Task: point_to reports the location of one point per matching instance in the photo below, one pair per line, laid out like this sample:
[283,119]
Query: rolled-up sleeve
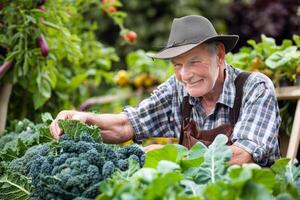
[151,118]
[257,128]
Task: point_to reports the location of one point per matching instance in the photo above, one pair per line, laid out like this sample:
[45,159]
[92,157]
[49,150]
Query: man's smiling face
[197,69]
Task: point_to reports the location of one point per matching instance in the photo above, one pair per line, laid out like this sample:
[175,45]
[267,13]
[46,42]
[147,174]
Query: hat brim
[229,42]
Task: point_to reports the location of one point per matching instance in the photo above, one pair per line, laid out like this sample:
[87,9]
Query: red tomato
[130,36]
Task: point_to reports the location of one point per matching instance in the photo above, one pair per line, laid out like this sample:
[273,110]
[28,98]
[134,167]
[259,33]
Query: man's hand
[115,128]
[67,114]
[152,147]
[240,156]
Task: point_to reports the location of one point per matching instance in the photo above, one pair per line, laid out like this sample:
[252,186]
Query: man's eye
[177,65]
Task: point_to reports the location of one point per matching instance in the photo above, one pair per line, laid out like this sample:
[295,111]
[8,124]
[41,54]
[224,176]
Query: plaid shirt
[256,130]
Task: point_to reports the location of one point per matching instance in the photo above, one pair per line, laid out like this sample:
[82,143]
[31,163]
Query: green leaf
[133,166]
[254,191]
[51,25]
[14,186]
[285,44]
[38,100]
[296,38]
[170,152]
[46,118]
[161,185]
[282,58]
[292,173]
[8,154]
[44,91]
[30,19]
[75,128]
[146,175]
[284,196]
[77,81]
[221,190]
[264,177]
[198,150]
[195,156]
[103,63]
[44,86]
[190,187]
[23,135]
[239,175]
[165,166]
[14,151]
[279,167]
[52,74]
[215,161]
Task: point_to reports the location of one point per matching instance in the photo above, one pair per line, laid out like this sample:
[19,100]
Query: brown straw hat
[190,31]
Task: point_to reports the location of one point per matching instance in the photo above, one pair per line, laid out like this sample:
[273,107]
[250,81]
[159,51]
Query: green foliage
[161,183]
[69,168]
[172,153]
[14,186]
[22,135]
[138,62]
[215,159]
[165,177]
[77,61]
[279,62]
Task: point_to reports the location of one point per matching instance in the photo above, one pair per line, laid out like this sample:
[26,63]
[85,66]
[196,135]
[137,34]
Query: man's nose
[185,73]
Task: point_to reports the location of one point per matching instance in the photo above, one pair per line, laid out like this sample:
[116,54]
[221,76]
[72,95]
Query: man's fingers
[79,117]
[55,130]
[68,114]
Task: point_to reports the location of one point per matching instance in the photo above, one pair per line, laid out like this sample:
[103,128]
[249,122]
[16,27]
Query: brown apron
[190,134]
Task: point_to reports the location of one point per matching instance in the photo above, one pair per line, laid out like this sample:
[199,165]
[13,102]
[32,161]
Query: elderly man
[204,98]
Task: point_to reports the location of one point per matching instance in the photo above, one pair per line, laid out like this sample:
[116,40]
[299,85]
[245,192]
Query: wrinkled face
[197,69]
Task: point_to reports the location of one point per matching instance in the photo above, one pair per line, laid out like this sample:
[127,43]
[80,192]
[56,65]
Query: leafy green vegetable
[72,167]
[168,152]
[279,62]
[215,161]
[77,167]
[75,128]
[14,186]
[22,135]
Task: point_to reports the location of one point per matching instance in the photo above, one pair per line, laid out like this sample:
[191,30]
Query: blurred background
[91,55]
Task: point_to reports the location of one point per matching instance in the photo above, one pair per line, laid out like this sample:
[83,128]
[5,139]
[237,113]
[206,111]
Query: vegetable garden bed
[80,166]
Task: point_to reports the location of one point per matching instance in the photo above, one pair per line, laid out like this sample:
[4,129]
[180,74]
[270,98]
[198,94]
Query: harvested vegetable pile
[70,168]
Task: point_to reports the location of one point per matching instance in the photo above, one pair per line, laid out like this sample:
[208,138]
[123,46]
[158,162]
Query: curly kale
[122,164]
[22,165]
[108,169]
[75,169]
[134,152]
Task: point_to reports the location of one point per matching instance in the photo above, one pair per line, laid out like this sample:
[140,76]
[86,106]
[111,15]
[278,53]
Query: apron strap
[239,84]
[186,109]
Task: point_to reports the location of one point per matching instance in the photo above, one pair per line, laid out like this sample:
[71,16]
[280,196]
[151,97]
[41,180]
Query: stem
[213,167]
[5,92]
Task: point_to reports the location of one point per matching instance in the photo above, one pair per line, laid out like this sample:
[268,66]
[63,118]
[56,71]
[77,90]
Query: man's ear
[221,53]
